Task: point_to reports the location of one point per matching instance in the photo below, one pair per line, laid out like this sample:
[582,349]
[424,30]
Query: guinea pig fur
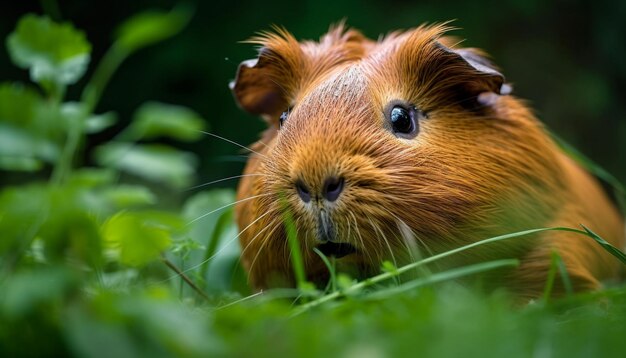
[401,148]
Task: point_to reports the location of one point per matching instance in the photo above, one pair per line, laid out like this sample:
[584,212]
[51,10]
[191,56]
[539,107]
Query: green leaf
[150,27]
[18,104]
[63,217]
[73,112]
[22,211]
[345,282]
[217,232]
[21,143]
[154,119]
[154,162]
[124,196]
[88,335]
[22,107]
[27,289]
[172,223]
[91,177]
[16,142]
[99,122]
[184,247]
[54,53]
[22,164]
[134,240]
[141,324]
[388,266]
[69,226]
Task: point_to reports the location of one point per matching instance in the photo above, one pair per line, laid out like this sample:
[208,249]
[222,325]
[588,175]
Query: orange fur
[472,172]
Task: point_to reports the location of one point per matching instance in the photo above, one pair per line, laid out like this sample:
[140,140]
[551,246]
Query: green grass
[444,321]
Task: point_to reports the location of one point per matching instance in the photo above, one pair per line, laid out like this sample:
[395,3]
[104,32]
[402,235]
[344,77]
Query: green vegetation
[95,262]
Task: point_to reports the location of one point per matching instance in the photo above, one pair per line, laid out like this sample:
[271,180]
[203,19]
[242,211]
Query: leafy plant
[75,237]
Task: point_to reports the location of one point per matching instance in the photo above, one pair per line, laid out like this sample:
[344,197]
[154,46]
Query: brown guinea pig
[406,146]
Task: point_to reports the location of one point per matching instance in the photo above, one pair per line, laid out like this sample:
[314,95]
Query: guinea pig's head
[382,150]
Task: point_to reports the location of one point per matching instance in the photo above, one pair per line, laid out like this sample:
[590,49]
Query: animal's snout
[330,190]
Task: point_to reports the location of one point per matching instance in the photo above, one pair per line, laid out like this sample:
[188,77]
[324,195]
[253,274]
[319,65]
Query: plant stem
[89,98]
[64,165]
[186,278]
[111,60]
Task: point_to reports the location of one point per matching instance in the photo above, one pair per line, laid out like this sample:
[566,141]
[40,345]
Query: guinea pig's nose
[332,188]
[303,191]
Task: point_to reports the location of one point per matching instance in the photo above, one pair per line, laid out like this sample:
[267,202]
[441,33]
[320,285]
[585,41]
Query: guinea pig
[402,148]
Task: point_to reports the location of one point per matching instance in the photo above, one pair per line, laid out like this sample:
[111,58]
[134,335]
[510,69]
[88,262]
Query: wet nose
[331,189]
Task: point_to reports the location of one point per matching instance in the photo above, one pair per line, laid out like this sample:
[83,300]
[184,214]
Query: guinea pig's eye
[283,117]
[403,120]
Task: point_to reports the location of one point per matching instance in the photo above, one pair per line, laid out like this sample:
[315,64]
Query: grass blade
[330,267]
[444,276]
[557,264]
[294,247]
[596,170]
[222,224]
[608,247]
[567,281]
[547,289]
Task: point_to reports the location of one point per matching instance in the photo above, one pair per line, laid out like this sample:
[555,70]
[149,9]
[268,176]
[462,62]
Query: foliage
[82,252]
[93,263]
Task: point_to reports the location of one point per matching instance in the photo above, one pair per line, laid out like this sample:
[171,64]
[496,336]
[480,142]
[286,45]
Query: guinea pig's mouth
[336,249]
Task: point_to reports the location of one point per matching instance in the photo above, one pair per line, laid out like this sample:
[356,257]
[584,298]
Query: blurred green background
[567,58]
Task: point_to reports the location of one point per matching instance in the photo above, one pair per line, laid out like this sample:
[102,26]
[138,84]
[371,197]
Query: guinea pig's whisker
[224,179]
[385,240]
[226,206]
[408,240]
[228,242]
[409,237]
[377,250]
[231,240]
[254,260]
[258,233]
[262,143]
[360,237]
[286,252]
[233,142]
[264,242]
[238,158]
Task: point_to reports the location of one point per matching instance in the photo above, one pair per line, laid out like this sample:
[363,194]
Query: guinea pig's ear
[476,75]
[263,85]
[254,88]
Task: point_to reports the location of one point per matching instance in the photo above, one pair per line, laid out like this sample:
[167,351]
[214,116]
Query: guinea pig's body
[404,147]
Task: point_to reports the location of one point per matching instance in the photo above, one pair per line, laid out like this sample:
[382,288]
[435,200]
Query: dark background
[568,59]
